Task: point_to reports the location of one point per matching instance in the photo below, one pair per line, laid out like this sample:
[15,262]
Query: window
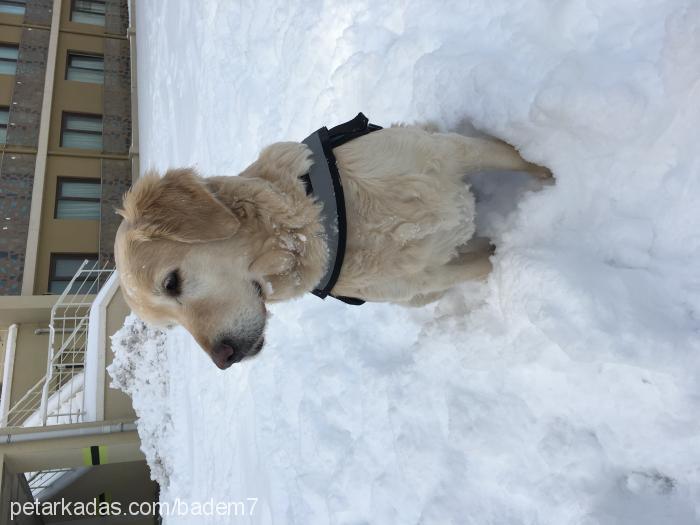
[78,199]
[13,7]
[85,68]
[88,12]
[81,131]
[63,268]
[4,119]
[8,59]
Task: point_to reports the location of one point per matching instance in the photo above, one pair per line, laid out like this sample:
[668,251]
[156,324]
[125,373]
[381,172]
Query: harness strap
[323,181]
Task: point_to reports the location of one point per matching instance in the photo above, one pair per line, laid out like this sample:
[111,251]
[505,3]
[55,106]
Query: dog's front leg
[432,281]
[493,154]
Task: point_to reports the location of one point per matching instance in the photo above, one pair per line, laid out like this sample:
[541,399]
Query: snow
[565,390]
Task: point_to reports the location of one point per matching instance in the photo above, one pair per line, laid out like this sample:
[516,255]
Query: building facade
[65,105]
[67,155]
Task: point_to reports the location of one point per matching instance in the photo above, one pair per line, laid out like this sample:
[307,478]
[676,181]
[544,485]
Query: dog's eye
[258,289]
[171,284]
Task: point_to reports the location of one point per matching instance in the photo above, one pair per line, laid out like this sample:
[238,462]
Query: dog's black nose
[225,353]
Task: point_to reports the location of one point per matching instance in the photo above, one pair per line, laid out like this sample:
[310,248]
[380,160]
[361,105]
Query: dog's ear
[177,206]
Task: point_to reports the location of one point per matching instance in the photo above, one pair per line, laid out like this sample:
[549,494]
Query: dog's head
[183,257]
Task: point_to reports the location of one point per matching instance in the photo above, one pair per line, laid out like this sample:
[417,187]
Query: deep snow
[570,394]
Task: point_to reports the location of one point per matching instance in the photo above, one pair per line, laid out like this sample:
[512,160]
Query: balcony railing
[58,396]
[3,345]
[43,479]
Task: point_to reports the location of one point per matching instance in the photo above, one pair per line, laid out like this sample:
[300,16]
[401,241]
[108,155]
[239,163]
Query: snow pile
[137,350]
[570,395]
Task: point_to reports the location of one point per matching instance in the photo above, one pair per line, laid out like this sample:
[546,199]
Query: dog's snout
[225,353]
[229,351]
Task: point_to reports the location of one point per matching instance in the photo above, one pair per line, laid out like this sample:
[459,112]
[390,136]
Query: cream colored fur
[410,216]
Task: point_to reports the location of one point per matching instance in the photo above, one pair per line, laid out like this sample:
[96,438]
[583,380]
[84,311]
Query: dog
[210,252]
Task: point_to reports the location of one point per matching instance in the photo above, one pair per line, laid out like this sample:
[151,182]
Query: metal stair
[58,396]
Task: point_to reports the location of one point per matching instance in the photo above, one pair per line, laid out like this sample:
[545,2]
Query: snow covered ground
[571,393]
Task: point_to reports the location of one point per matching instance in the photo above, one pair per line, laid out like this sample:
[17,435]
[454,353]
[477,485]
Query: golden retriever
[208,253]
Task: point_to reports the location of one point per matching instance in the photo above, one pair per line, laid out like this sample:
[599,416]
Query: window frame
[70,256]
[67,114]
[19,3]
[70,54]
[5,126]
[13,45]
[58,198]
[73,10]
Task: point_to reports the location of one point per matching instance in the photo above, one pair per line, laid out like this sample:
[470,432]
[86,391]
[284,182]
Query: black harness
[323,182]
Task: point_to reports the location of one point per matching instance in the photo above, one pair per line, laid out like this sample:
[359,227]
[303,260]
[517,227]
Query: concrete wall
[10,35]
[62,235]
[31,352]
[70,95]
[117,403]
[3,346]
[125,475]
[14,487]
[122,482]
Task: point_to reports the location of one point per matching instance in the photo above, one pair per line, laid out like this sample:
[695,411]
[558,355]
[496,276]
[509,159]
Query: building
[67,155]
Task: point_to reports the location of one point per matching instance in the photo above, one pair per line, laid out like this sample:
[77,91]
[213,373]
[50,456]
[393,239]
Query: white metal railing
[58,396]
[43,479]
[3,344]
[10,340]
[3,349]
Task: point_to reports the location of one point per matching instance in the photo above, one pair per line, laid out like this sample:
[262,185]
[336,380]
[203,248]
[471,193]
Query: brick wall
[16,180]
[25,110]
[116,179]
[38,12]
[116,16]
[116,125]
[116,115]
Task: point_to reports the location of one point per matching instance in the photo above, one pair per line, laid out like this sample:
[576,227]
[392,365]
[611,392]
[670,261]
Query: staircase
[57,397]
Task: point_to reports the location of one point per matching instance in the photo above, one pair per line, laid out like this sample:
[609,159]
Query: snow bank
[570,394]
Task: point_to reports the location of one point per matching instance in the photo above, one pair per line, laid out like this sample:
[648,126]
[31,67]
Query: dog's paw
[541,172]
